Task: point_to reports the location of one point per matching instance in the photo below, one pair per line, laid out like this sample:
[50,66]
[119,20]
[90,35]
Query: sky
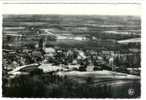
[73,9]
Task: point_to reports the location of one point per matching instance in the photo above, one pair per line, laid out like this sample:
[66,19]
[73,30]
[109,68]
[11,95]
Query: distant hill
[78,24]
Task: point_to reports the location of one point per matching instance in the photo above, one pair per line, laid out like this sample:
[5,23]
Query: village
[55,59]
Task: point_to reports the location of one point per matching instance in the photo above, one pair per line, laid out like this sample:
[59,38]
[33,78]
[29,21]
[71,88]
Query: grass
[52,86]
